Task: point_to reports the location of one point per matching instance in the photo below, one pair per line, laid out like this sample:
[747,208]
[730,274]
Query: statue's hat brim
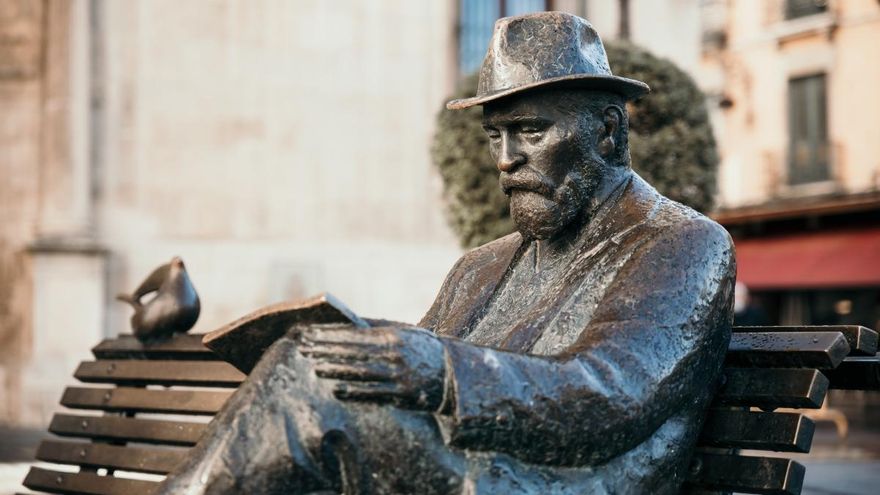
[630,89]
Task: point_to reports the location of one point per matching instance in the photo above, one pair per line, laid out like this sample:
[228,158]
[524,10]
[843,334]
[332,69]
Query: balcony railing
[805,171]
[809,161]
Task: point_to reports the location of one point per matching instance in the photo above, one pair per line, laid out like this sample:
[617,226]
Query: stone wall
[21,39]
[281,148]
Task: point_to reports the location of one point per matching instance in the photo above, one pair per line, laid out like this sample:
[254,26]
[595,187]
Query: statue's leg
[284,432]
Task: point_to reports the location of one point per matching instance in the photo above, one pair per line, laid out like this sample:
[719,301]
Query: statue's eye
[531,129]
[492,133]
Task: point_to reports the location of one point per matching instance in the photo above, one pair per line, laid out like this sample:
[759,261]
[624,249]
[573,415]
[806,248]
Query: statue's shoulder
[476,271]
[500,250]
[699,236]
[674,220]
[482,263]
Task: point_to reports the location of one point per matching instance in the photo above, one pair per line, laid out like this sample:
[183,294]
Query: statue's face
[548,160]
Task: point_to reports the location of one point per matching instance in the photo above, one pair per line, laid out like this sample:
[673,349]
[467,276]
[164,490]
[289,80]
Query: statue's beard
[542,213]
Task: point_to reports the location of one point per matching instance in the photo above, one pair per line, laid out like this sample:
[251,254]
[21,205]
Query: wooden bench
[131,443]
[134,388]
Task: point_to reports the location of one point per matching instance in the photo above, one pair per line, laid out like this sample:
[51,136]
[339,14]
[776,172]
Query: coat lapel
[473,284]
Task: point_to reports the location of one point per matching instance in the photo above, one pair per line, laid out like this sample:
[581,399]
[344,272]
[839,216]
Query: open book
[243,342]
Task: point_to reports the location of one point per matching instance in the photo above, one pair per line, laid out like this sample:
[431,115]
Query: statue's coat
[601,389]
[623,354]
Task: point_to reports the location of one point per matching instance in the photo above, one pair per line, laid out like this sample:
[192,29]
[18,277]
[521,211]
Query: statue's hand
[403,366]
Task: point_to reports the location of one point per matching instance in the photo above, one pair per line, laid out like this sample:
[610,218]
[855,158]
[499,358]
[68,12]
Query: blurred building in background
[668,28]
[794,87]
[281,148]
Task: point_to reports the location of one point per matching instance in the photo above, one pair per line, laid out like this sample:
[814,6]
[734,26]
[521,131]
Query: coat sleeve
[655,343]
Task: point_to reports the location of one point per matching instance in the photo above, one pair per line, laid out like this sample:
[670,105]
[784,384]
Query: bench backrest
[131,443]
[157,404]
[770,368]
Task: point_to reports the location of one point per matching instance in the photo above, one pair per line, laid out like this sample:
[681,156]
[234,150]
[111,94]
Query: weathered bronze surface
[533,51]
[862,341]
[246,339]
[771,388]
[746,474]
[175,306]
[577,355]
[743,429]
[856,373]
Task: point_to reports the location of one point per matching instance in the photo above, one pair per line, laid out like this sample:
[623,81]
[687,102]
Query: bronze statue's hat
[547,48]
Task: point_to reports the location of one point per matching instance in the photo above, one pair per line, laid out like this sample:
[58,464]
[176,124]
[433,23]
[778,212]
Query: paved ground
[834,466]
[842,477]
[850,466]
[11,475]
[17,448]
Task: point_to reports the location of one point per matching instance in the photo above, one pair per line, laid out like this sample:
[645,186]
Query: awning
[849,258]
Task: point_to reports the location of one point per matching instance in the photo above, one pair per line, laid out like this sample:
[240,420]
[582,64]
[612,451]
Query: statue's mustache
[527,180]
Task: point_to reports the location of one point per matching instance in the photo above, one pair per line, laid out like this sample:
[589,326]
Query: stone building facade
[280,148]
[793,87]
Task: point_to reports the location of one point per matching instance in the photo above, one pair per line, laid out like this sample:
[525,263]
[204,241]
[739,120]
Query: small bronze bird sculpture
[175,308]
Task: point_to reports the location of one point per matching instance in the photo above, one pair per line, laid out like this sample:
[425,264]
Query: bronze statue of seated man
[574,356]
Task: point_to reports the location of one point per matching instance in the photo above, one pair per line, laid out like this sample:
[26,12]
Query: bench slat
[138,399]
[770,388]
[742,474]
[856,373]
[162,432]
[96,455]
[162,372]
[781,432]
[187,347]
[862,341]
[823,350]
[85,483]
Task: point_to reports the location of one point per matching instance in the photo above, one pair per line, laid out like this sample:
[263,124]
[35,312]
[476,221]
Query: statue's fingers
[345,336]
[346,352]
[367,372]
[376,392]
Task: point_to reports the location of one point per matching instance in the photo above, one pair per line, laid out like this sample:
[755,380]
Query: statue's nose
[510,156]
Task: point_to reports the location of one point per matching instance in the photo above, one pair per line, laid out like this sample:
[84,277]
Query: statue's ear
[612,116]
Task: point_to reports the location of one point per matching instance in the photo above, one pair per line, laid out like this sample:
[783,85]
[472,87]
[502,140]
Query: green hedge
[670,138]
